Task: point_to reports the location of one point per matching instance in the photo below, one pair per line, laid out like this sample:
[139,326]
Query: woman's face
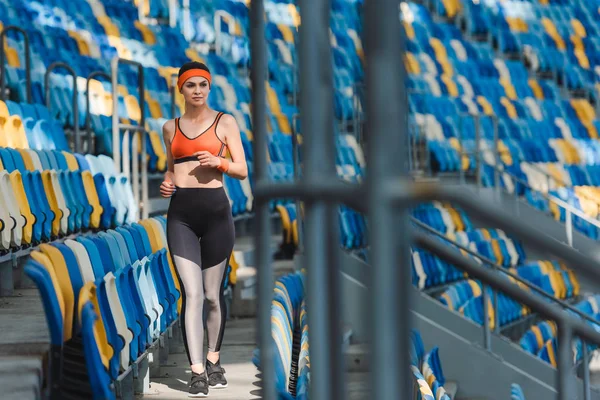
[195,91]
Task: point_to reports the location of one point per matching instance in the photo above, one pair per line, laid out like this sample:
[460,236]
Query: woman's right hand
[167,188]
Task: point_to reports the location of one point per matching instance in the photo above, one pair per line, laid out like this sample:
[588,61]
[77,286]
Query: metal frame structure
[173,89]
[74,98]
[88,116]
[122,164]
[5,30]
[570,211]
[385,197]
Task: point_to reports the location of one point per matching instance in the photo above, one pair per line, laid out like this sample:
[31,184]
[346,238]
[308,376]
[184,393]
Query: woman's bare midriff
[190,174]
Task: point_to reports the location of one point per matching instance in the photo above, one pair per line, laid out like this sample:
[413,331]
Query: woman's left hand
[207,159]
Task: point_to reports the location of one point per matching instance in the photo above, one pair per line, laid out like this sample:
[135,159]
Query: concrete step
[21,377]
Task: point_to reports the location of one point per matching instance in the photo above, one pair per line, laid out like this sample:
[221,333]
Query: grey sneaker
[216,375]
[198,385]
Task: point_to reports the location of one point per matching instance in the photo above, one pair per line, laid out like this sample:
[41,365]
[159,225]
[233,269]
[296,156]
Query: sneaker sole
[219,386]
[199,395]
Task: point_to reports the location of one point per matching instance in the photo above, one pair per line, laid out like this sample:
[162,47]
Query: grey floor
[236,356]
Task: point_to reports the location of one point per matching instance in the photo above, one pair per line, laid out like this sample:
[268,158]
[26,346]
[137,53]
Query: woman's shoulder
[168,127]
[226,118]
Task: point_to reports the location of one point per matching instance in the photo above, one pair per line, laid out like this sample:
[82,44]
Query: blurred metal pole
[387,109]
[263,234]
[565,358]
[322,280]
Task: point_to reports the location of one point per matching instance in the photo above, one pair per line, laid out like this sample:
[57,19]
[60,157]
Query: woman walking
[200,229]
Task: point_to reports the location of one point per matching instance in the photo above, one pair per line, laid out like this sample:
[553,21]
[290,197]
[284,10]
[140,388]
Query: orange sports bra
[183,147]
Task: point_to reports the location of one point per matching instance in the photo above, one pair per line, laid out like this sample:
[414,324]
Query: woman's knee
[213,298]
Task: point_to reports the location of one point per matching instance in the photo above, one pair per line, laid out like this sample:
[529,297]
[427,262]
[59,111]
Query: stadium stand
[106,279]
[546,131]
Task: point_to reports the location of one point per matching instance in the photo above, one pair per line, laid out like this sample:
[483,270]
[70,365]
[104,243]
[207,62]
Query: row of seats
[545,139]
[98,31]
[560,38]
[465,295]
[80,193]
[427,373]
[107,298]
[289,332]
[541,339]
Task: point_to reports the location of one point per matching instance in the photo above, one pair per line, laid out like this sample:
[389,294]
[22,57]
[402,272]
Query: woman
[200,228]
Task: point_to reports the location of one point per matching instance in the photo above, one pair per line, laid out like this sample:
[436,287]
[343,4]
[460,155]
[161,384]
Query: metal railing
[74,98]
[88,115]
[496,267]
[131,170]
[570,211]
[385,197]
[3,34]
[173,95]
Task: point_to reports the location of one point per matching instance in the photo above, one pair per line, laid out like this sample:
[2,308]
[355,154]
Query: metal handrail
[137,130]
[505,271]
[570,210]
[74,99]
[88,116]
[478,139]
[567,324]
[5,30]
[403,194]
[173,95]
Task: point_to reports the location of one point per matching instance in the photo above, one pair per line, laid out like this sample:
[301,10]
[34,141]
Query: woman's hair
[192,65]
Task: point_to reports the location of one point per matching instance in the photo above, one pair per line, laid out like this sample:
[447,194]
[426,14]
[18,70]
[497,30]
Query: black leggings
[200,234]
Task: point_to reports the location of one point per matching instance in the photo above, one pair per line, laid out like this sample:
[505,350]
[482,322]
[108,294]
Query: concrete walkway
[236,358]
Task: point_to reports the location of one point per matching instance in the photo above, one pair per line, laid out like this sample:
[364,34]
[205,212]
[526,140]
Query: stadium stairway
[460,342]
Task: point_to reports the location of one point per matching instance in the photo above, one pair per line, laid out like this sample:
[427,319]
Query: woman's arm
[167,187]
[238,168]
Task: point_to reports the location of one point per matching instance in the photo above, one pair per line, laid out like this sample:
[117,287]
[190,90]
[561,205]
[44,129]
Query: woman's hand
[207,159]
[167,188]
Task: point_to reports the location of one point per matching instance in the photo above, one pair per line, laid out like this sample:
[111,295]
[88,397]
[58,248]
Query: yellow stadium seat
[154,106]
[4,139]
[88,294]
[509,89]
[64,296]
[133,108]
[553,33]
[146,32]
[511,110]
[157,146]
[578,28]
[286,32]
[110,28]
[84,48]
[27,160]
[92,196]
[450,85]
[12,55]
[485,104]
[57,223]
[536,88]
[15,131]
[4,110]
[441,55]
[71,161]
